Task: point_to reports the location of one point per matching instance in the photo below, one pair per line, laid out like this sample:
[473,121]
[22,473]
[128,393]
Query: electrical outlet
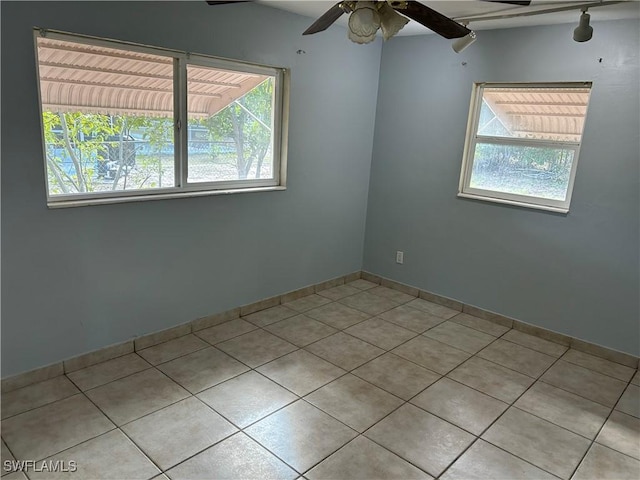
[399,257]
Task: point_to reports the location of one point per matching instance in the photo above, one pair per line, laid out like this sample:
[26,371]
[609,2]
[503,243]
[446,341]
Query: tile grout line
[302,472]
[477,437]
[539,379]
[543,381]
[191,395]
[237,427]
[298,398]
[576,394]
[69,448]
[592,369]
[7,447]
[111,381]
[511,404]
[43,405]
[115,427]
[242,430]
[529,348]
[404,402]
[613,409]
[335,379]
[179,356]
[343,330]
[408,402]
[325,458]
[239,430]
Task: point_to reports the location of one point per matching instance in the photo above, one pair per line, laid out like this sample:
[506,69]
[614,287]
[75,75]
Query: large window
[522,143]
[125,122]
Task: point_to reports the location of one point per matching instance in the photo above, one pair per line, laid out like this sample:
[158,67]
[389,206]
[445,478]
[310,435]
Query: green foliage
[155,130]
[251,133]
[82,138]
[555,162]
[77,141]
[524,170]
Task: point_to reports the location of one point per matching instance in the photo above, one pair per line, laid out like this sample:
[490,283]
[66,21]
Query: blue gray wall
[77,279]
[576,274]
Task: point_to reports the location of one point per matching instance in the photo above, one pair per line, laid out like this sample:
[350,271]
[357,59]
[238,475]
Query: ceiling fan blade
[433,20]
[326,20]
[212,2]
[523,3]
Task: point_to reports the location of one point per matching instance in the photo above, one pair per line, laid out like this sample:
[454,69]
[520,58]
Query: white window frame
[472,137]
[182,187]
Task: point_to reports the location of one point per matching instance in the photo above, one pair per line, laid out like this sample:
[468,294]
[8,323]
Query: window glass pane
[535,112]
[107,118]
[532,171]
[230,134]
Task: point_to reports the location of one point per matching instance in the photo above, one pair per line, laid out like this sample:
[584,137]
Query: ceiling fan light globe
[360,40]
[584,31]
[364,21]
[390,21]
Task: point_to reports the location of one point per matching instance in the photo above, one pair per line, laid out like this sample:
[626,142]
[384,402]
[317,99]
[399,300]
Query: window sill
[514,203]
[160,196]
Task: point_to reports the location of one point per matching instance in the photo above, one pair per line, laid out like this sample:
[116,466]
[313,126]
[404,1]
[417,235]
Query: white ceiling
[466,8]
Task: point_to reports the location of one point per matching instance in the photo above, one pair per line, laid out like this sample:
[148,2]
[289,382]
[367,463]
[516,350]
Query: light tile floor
[357,381]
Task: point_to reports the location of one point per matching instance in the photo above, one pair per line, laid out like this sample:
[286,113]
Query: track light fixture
[461,43]
[583,31]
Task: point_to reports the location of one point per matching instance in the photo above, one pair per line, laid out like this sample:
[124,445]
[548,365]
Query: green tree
[78,142]
[158,132]
[81,137]
[247,121]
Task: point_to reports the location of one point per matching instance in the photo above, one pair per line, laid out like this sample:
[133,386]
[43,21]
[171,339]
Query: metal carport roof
[86,78]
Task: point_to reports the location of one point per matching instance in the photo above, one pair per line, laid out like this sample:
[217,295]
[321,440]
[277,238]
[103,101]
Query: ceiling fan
[389,16]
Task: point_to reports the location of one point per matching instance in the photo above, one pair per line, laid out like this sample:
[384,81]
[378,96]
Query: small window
[523,142]
[126,122]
